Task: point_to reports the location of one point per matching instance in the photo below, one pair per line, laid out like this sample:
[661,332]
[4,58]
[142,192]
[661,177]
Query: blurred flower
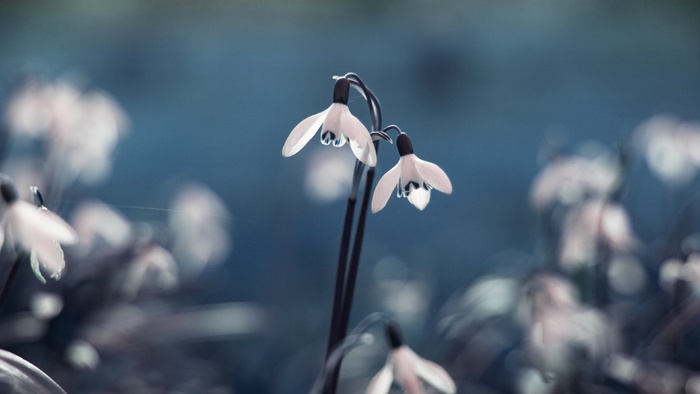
[199,221]
[329,176]
[81,128]
[100,228]
[671,148]
[337,125]
[561,334]
[407,368]
[590,223]
[412,177]
[675,269]
[28,111]
[37,230]
[152,265]
[570,179]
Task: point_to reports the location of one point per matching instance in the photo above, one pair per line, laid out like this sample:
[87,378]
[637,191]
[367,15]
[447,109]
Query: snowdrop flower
[568,180]
[412,177]
[337,125]
[560,330]
[592,222]
[407,368]
[670,147]
[35,229]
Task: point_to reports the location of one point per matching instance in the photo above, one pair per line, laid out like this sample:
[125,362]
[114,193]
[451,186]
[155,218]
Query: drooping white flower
[408,369]
[36,230]
[570,179]
[593,222]
[337,125]
[412,177]
[559,330]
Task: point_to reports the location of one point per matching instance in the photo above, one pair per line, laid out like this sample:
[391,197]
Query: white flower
[412,177]
[407,368]
[594,221]
[671,148]
[37,230]
[570,179]
[558,328]
[337,125]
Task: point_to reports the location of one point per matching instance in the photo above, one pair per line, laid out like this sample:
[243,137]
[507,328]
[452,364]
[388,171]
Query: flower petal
[434,375]
[303,133]
[48,254]
[419,198]
[433,175]
[28,221]
[381,382]
[405,374]
[360,139]
[331,132]
[34,262]
[385,187]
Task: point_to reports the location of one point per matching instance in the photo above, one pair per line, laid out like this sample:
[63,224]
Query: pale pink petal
[381,382]
[30,220]
[405,375]
[433,175]
[434,375]
[419,198]
[360,139]
[384,188]
[303,133]
[331,132]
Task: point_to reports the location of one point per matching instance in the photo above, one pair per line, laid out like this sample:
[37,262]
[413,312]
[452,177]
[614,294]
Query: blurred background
[486,89]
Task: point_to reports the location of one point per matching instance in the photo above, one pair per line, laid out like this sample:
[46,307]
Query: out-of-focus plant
[107,309]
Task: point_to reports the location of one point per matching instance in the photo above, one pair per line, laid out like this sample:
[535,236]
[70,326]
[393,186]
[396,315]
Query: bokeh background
[485,89]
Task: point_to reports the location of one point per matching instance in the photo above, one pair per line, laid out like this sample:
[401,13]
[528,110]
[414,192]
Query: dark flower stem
[355,256]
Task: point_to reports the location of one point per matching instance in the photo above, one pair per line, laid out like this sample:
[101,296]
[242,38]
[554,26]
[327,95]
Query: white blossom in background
[557,326]
[585,226]
[101,229]
[81,129]
[329,176]
[153,267]
[568,180]
[28,112]
[200,223]
[671,148]
[674,269]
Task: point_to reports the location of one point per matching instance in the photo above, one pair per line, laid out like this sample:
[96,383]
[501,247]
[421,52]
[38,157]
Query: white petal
[29,220]
[385,187]
[405,375]
[381,382]
[419,198]
[360,140]
[409,173]
[332,124]
[48,254]
[302,133]
[433,175]
[34,263]
[434,375]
